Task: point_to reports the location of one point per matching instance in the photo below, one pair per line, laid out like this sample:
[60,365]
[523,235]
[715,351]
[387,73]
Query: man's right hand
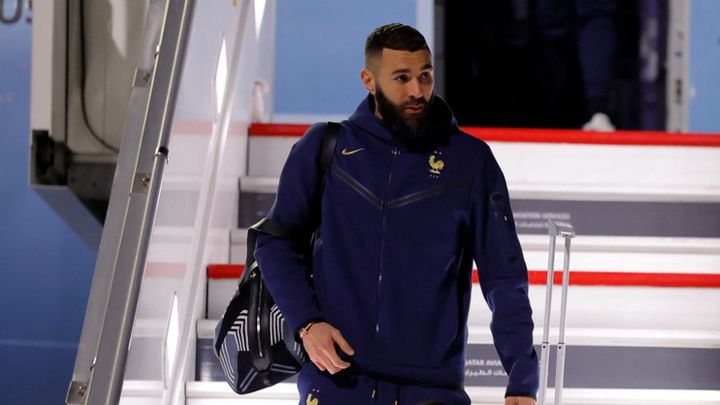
[319,342]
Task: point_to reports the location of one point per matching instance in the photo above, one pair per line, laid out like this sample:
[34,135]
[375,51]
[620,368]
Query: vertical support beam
[439,46]
[678,71]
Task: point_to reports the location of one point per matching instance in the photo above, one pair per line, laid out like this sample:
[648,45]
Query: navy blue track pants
[353,387]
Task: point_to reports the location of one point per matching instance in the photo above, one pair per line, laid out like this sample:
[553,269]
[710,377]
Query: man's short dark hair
[396,36]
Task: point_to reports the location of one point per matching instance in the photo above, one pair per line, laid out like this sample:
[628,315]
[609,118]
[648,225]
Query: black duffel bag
[254,344]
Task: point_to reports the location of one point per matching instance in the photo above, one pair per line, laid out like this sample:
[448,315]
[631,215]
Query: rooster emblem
[310,400]
[436,165]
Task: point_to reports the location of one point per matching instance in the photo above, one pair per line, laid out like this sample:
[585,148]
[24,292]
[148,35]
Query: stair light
[259,14]
[221,72]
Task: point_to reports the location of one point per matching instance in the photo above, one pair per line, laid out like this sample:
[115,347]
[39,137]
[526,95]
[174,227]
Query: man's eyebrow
[406,70]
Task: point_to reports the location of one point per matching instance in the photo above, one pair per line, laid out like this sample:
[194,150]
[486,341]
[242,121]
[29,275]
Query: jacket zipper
[385,208]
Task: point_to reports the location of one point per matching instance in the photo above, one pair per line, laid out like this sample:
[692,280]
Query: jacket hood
[442,124]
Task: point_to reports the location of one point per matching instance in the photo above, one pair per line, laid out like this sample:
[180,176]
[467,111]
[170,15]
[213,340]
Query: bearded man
[407,205]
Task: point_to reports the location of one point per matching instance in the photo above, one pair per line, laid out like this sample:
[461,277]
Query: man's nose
[414,89]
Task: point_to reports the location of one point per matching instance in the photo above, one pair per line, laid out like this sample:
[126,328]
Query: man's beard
[404,127]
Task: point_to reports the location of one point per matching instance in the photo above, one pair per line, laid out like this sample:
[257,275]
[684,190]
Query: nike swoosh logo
[346,152]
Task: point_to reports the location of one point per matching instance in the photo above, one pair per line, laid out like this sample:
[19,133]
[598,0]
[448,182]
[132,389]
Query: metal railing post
[566,231]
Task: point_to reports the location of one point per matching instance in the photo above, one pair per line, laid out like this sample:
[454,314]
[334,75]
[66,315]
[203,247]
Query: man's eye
[402,79]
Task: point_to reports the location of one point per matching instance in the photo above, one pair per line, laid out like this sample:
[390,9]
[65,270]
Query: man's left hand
[519,401]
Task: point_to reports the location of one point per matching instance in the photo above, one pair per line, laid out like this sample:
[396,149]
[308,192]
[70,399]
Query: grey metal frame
[566,231]
[677,86]
[100,362]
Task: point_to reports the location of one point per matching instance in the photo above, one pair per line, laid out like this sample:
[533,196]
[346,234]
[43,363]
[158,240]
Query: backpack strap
[327,150]
[275,228]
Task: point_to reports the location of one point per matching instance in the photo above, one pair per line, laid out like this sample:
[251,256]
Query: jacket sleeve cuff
[296,333]
[520,394]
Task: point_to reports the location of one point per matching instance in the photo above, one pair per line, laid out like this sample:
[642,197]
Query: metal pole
[566,231]
[560,365]
[545,350]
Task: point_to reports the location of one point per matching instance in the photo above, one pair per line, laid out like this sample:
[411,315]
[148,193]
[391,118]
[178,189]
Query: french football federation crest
[436,165]
[310,400]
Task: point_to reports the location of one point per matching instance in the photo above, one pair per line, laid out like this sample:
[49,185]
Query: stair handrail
[109,318]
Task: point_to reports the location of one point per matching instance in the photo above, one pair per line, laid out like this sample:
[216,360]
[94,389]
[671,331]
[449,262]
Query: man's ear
[368,80]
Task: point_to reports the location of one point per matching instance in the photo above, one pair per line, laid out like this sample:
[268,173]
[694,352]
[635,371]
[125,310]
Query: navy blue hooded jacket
[400,226]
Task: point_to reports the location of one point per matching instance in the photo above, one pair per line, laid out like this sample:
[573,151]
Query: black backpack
[254,344]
